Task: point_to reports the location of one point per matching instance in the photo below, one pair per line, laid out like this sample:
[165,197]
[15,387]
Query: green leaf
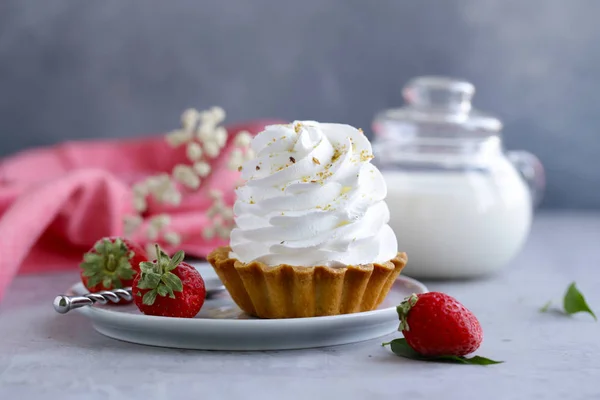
[91,267]
[401,348]
[106,282]
[574,302]
[172,281]
[149,280]
[176,260]
[125,273]
[101,245]
[93,259]
[88,272]
[147,266]
[94,280]
[116,283]
[162,290]
[478,360]
[149,297]
[545,307]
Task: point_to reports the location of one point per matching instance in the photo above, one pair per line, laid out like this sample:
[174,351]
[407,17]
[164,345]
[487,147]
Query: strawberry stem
[111,264]
[403,309]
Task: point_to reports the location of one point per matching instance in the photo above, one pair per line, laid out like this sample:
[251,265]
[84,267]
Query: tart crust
[286,291]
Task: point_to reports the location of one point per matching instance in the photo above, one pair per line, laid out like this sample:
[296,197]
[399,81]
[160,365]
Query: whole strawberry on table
[169,287]
[112,263]
[437,327]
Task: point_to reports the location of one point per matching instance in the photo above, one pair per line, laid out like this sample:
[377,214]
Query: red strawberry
[111,264]
[435,324]
[169,287]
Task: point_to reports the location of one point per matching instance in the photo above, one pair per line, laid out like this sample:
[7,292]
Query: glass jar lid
[437,106]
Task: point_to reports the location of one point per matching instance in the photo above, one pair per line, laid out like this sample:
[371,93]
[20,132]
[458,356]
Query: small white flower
[160,221]
[223,232]
[140,189]
[178,137]
[163,189]
[151,250]
[131,223]
[205,132]
[205,116]
[202,168]
[218,114]
[158,183]
[139,203]
[211,149]
[133,220]
[243,139]
[172,197]
[211,212]
[151,183]
[249,155]
[216,194]
[208,232]
[152,233]
[218,205]
[227,214]
[237,154]
[194,151]
[172,238]
[220,135]
[189,119]
[232,165]
[185,174]
[236,159]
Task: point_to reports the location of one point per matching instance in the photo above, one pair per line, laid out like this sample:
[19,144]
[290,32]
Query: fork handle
[63,304]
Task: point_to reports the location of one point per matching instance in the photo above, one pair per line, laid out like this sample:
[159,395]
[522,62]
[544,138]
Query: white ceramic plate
[221,325]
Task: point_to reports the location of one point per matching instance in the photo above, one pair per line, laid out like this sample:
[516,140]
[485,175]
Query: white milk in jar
[454,224]
[458,205]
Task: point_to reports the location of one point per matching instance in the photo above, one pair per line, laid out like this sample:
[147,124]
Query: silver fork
[64,303]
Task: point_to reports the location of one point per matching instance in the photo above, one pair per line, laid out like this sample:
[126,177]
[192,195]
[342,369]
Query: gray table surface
[547,356]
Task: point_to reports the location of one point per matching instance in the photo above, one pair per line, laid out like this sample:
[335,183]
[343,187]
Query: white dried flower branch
[221,215]
[204,139]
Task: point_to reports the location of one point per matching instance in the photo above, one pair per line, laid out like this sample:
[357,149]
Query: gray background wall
[113,68]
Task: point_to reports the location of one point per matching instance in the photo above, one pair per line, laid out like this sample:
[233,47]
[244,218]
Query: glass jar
[460,205]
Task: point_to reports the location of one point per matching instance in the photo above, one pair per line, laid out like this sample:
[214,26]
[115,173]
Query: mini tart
[286,291]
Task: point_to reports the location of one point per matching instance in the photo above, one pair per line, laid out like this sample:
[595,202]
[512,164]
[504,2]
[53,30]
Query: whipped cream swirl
[312,197]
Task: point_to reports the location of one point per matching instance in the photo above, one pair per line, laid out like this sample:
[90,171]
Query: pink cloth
[56,202]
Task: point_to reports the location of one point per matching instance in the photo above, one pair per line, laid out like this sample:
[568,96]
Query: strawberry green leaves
[573,302]
[172,282]
[108,264]
[403,310]
[158,278]
[150,297]
[150,276]
[401,348]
